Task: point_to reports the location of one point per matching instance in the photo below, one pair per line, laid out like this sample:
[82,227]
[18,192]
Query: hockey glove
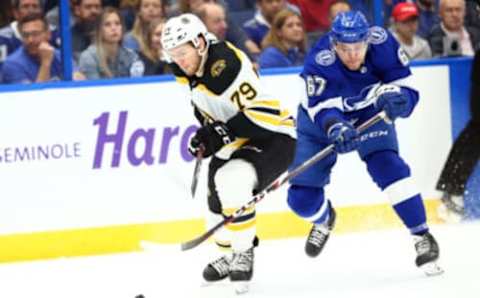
[344,136]
[212,137]
[395,104]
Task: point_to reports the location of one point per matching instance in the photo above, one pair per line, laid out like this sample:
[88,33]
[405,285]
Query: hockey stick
[278,183]
[196,171]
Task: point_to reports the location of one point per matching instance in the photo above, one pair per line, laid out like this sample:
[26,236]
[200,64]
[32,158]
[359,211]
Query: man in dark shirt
[86,12]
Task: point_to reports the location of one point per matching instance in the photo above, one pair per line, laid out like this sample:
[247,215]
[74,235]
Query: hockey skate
[241,270]
[427,254]
[319,235]
[217,270]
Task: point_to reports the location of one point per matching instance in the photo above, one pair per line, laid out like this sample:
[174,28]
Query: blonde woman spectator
[152,54]
[147,11]
[404,28]
[285,43]
[107,58]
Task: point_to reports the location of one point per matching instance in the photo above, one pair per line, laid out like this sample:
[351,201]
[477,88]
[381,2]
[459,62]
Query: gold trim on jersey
[274,104]
[182,80]
[226,151]
[237,52]
[266,117]
[200,87]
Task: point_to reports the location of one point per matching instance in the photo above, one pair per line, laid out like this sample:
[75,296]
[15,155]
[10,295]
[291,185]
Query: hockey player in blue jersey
[351,74]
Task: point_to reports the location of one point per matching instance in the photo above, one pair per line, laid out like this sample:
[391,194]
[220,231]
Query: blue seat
[240,17]
[236,5]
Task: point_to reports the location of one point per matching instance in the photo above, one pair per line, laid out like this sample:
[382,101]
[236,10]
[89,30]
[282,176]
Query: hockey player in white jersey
[250,137]
[352,73]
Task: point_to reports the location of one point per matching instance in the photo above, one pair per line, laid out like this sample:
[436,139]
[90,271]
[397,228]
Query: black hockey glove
[211,137]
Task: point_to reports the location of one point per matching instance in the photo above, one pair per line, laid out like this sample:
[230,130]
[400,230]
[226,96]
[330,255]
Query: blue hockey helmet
[349,27]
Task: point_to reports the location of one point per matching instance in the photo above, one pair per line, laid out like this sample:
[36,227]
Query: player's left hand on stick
[212,137]
[394,103]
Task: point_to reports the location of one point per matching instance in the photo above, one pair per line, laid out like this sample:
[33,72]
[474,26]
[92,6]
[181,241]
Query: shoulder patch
[217,68]
[403,56]
[325,57]
[378,35]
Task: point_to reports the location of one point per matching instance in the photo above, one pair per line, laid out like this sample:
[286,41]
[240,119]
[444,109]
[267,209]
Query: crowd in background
[121,38]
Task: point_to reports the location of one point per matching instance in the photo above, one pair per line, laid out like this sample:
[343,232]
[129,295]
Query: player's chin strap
[209,38]
[279,182]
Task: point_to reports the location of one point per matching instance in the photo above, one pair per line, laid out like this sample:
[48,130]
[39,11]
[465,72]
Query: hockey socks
[412,213]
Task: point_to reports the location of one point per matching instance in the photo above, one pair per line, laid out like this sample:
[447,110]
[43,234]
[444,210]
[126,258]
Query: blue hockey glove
[395,104]
[344,136]
[212,137]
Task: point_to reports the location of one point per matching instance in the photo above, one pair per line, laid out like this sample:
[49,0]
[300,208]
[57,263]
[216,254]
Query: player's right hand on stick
[211,137]
[394,103]
[344,136]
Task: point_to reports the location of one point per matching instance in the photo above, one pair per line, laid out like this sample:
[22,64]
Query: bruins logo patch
[218,67]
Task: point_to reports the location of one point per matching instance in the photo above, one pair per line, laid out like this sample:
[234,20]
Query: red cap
[404,11]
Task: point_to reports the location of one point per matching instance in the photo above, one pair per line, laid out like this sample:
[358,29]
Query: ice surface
[368,264]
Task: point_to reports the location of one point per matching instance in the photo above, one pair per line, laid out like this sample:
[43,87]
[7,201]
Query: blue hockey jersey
[335,91]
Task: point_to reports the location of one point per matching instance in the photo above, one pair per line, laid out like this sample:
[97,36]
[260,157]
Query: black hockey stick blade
[279,182]
[196,172]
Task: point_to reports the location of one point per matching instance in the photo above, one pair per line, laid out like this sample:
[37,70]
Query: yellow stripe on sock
[241,226]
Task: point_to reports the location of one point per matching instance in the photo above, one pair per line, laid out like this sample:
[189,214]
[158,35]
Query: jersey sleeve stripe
[335,102]
[405,82]
[265,110]
[266,103]
[275,121]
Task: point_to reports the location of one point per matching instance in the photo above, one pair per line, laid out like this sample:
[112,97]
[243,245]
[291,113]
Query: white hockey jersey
[230,91]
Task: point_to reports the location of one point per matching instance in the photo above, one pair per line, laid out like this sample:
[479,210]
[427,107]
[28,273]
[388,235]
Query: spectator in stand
[472,17]
[451,37]
[6,14]
[235,34]
[107,57]
[428,17]
[128,10]
[147,11]
[86,12]
[258,27]
[404,28]
[214,17]
[35,60]
[315,16]
[152,54]
[336,7]
[53,13]
[285,43]
[10,38]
